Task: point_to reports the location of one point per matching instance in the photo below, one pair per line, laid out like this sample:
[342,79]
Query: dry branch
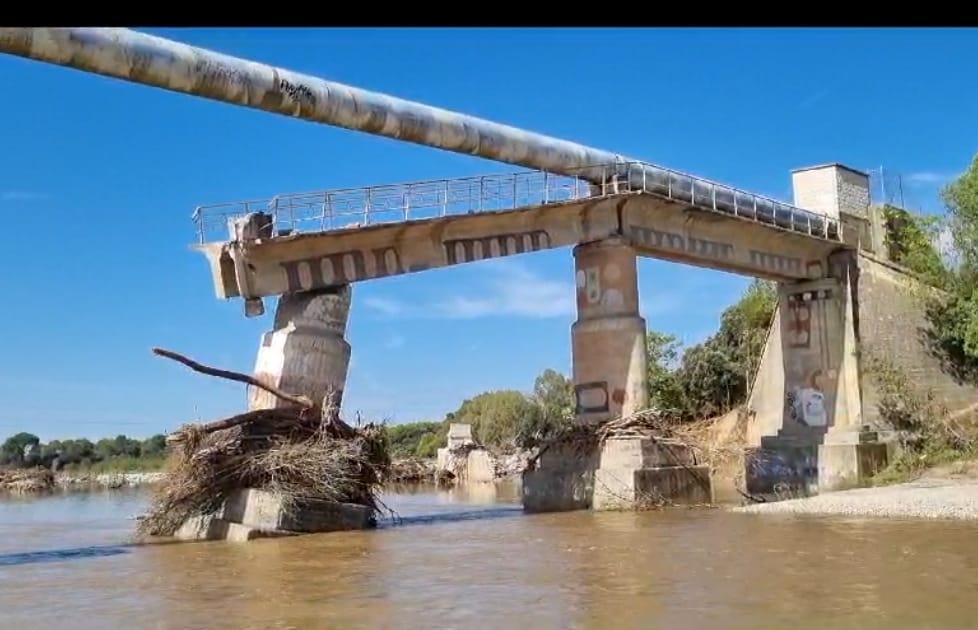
[300,451]
[302,401]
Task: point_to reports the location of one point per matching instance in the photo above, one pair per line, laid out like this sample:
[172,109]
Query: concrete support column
[608,338]
[306,352]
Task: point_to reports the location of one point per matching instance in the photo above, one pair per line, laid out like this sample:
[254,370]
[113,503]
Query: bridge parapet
[343,209]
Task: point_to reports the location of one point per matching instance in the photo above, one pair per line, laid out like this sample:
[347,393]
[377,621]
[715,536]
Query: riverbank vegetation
[943,252]
[108,455]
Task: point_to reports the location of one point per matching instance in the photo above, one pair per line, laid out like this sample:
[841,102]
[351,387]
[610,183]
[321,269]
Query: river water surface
[471,559]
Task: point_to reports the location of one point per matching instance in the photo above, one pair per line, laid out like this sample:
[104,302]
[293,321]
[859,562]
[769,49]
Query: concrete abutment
[815,424]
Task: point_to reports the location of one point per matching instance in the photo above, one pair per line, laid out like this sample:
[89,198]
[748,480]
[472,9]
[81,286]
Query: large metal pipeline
[142,58]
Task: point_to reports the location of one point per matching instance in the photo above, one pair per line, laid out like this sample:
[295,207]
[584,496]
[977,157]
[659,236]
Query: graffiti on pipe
[297,92]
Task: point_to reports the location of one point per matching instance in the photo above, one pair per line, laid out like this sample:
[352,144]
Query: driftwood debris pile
[302,450]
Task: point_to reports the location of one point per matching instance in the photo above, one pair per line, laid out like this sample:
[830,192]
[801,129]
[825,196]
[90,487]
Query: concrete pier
[608,338]
[306,352]
[609,372]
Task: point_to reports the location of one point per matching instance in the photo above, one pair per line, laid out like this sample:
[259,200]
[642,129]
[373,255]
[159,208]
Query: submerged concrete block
[632,452]
[628,488]
[643,472]
[563,479]
[547,490]
[267,511]
[250,514]
[236,532]
[206,527]
[841,466]
[625,473]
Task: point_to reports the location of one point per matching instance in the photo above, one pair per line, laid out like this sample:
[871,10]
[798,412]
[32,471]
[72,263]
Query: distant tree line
[702,380]
[25,450]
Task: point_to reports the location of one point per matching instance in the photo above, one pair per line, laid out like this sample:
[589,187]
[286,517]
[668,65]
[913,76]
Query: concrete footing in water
[836,460]
[249,514]
[621,473]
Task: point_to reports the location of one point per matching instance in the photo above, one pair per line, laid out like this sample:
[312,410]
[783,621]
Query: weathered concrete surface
[893,323]
[657,228]
[562,479]
[306,353]
[459,437]
[608,339]
[622,473]
[813,390]
[812,398]
[249,514]
[640,471]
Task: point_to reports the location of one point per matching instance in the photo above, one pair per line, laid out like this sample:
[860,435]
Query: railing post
[546,187]
[274,205]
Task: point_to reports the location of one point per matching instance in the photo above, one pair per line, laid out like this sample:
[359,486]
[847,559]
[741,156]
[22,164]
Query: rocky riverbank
[941,494]
[109,481]
[42,480]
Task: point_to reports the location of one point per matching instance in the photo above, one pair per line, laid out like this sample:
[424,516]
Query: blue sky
[98,179]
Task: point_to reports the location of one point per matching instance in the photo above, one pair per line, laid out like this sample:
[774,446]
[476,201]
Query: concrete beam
[656,227]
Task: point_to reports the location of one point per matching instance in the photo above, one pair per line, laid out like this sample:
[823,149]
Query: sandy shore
[931,498]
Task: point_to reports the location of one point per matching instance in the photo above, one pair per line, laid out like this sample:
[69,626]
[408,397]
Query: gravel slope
[926,498]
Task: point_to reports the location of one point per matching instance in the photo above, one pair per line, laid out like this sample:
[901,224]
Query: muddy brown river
[470,559]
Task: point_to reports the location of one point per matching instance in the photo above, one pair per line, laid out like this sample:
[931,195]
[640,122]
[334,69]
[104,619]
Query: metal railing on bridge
[322,211]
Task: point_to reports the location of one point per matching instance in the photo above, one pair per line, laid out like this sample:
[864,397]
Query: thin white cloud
[510,290]
[929,178]
[384,306]
[21,195]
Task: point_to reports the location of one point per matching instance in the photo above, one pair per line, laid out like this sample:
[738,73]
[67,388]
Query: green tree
[715,375]
[961,200]
[498,418]
[415,439]
[911,241]
[553,393]
[20,449]
[665,391]
[154,446]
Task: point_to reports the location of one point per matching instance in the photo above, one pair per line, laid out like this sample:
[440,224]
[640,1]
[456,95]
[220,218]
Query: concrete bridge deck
[314,240]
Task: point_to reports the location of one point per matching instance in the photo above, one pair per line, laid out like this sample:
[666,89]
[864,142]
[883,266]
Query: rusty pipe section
[142,58]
